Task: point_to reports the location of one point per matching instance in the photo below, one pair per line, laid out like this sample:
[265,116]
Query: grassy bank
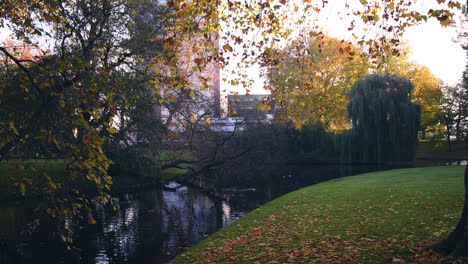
[11,176]
[14,173]
[167,156]
[382,217]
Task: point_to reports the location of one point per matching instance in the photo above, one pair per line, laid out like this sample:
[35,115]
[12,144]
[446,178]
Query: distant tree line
[385,125]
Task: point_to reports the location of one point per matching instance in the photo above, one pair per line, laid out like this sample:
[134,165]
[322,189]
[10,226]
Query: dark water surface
[153,226]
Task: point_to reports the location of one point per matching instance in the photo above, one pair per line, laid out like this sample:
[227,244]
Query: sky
[430,43]
[433,46]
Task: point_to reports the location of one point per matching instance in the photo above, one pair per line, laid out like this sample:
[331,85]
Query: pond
[153,226]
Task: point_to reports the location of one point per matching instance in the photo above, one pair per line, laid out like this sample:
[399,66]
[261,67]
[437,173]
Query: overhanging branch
[18,62]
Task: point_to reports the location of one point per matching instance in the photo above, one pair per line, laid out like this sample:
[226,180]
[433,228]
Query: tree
[456,243]
[427,91]
[140,131]
[17,112]
[454,112]
[428,94]
[311,82]
[385,121]
[72,93]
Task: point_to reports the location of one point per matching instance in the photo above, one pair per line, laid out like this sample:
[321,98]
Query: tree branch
[25,70]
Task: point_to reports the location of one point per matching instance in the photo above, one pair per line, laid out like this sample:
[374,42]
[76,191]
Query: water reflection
[154,226]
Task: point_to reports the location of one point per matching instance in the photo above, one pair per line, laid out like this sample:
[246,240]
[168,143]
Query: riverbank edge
[251,220]
[122,184]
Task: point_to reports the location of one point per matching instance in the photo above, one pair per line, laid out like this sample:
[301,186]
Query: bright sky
[431,44]
[3,34]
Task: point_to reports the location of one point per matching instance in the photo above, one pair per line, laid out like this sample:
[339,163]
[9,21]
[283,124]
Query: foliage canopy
[385,121]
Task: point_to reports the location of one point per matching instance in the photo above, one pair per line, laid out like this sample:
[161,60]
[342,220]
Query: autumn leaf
[198,61]
[47,17]
[86,139]
[12,127]
[227,47]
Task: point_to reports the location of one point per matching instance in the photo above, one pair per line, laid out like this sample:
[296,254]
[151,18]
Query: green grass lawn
[14,174]
[19,171]
[32,161]
[381,217]
[170,173]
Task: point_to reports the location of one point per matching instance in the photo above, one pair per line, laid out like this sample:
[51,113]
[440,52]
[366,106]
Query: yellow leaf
[22,188]
[12,127]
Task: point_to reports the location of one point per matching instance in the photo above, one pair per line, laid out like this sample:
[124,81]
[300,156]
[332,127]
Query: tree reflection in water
[154,226]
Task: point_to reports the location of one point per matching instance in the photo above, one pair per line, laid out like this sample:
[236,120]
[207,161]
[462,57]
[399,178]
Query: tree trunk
[449,143]
[456,244]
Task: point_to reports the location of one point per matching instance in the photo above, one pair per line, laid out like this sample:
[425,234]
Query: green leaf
[112,130]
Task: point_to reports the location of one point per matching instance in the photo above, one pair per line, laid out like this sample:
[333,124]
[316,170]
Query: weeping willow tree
[384,120]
